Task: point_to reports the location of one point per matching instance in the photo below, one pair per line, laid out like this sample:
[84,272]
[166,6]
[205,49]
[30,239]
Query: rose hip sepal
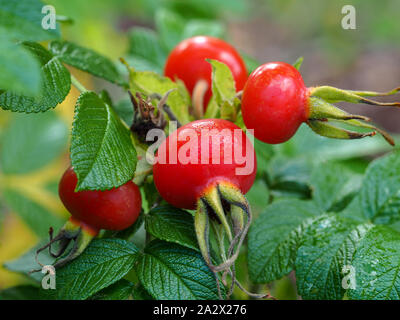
[275,102]
[114,209]
[196,168]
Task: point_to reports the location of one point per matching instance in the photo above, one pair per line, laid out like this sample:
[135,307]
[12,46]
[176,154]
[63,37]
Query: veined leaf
[333,186]
[103,262]
[172,225]
[102,152]
[86,59]
[170,271]
[327,249]
[275,236]
[377,266]
[55,87]
[379,196]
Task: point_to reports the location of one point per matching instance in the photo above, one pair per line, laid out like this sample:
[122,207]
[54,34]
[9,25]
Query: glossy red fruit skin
[187,62]
[183,184]
[114,209]
[274,102]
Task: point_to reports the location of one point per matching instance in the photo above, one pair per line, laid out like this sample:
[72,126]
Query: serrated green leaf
[31,142]
[211,28]
[120,290]
[102,152]
[103,262]
[275,236]
[170,26]
[328,245]
[22,20]
[149,82]
[169,271]
[55,87]
[333,186]
[20,70]
[145,51]
[173,225]
[37,218]
[379,197]
[86,59]
[21,292]
[377,266]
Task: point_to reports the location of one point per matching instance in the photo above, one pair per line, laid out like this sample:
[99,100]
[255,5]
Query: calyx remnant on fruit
[321,111]
[276,102]
[75,231]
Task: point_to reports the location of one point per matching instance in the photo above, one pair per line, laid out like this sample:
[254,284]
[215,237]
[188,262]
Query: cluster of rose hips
[274,103]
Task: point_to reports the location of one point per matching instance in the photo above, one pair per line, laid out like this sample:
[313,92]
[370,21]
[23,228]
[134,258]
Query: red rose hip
[114,209]
[187,61]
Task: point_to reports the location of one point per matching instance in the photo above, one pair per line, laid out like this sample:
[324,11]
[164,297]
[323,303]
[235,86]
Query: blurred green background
[34,148]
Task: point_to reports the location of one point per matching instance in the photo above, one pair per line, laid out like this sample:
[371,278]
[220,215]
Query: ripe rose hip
[187,61]
[203,179]
[183,184]
[115,209]
[275,102]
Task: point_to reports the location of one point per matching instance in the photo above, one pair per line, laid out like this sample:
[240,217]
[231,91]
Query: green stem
[77,84]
